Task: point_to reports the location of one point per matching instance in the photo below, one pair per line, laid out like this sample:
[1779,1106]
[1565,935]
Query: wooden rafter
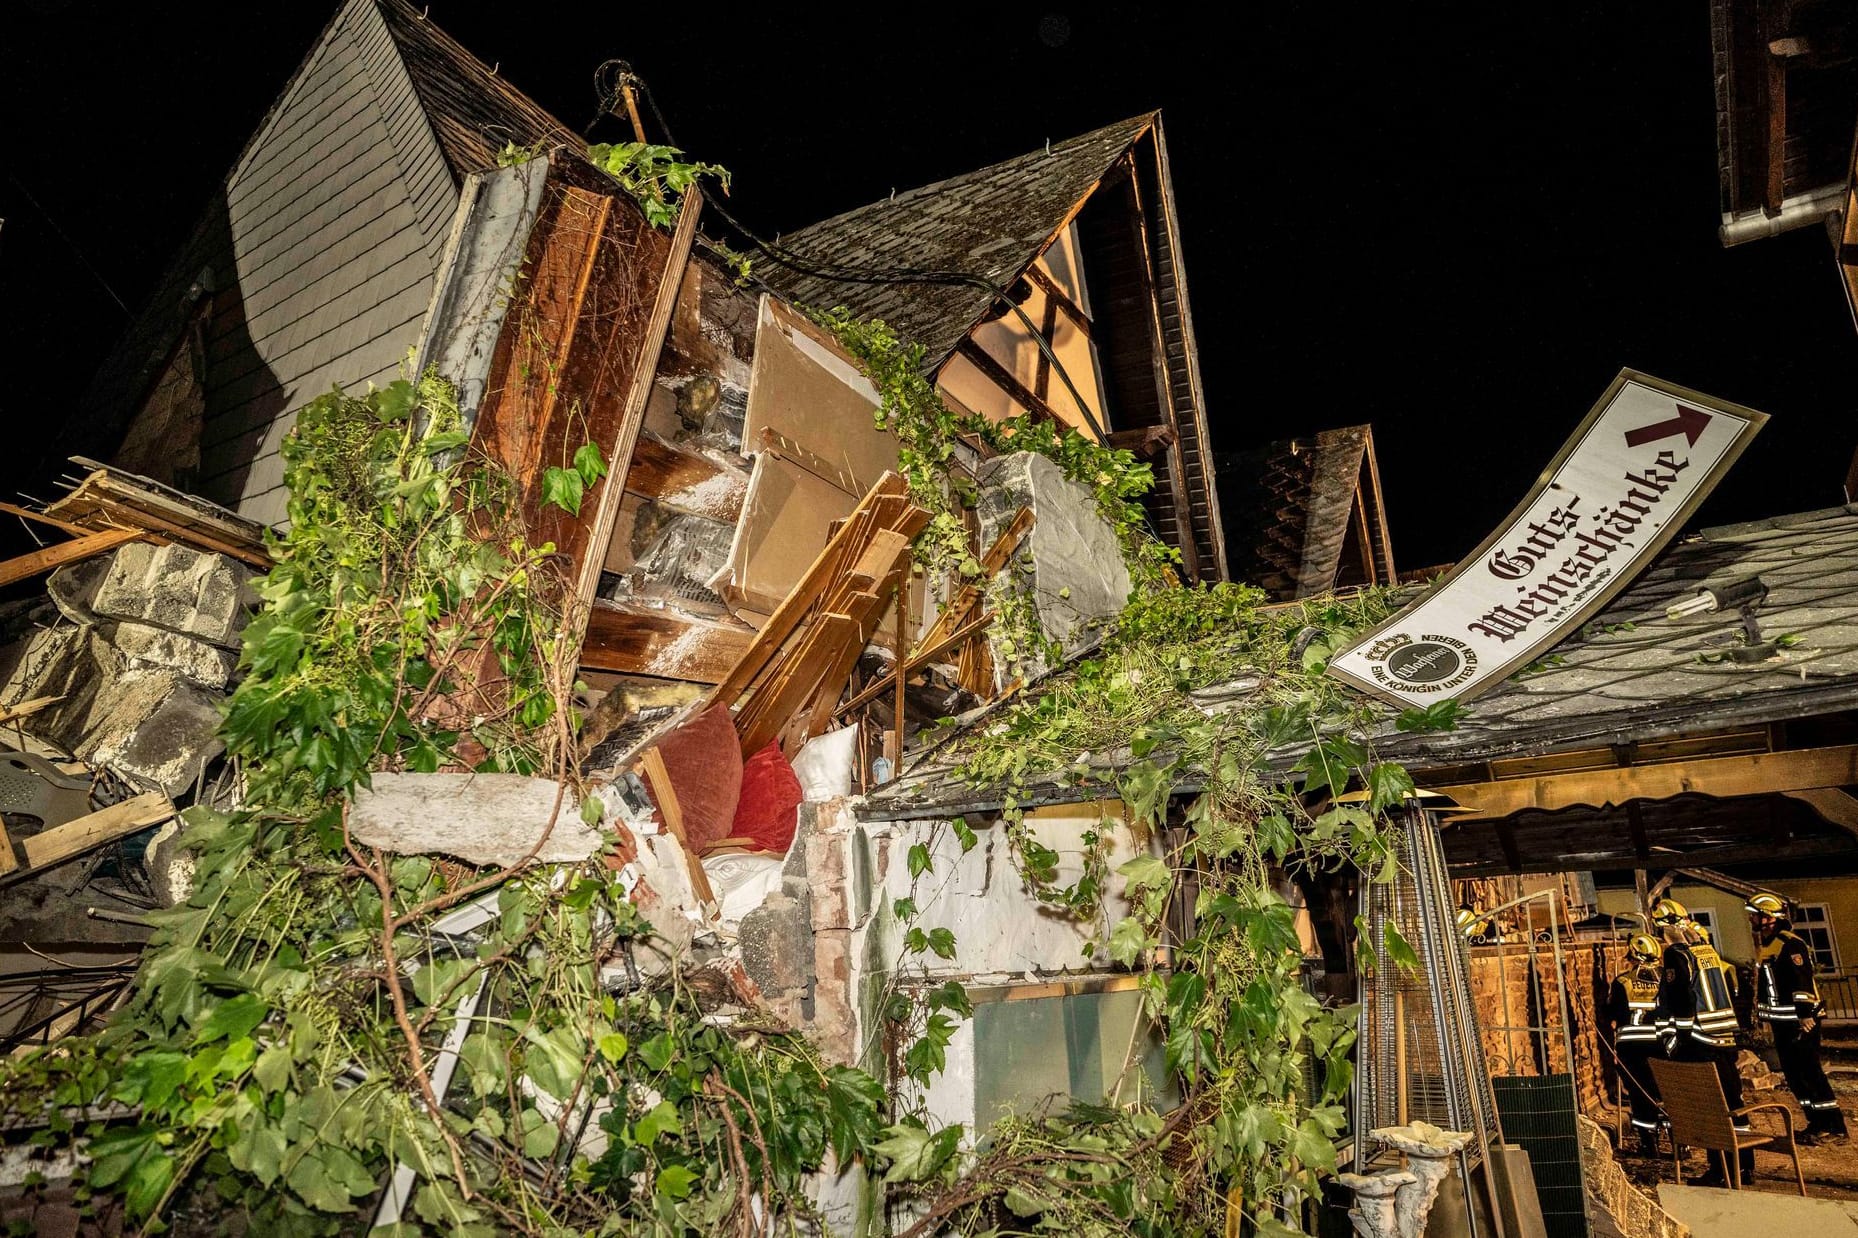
[1754,774]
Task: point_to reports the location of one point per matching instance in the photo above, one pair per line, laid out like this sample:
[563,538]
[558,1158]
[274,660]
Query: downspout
[1796,212]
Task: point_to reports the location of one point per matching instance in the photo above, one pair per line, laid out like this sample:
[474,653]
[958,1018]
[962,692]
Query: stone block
[154,728]
[482,818]
[1071,559]
[205,596]
[74,587]
[209,666]
[71,662]
[777,945]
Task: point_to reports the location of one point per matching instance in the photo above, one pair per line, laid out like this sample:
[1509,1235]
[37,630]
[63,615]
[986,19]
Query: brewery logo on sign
[1419,665]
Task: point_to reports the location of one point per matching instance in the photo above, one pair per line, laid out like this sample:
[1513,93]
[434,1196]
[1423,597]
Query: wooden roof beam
[1754,774]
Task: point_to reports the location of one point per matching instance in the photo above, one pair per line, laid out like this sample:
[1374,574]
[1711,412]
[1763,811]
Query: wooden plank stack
[787,683]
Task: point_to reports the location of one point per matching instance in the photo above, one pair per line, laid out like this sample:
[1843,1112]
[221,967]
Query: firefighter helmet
[1766,904]
[1469,921]
[1667,911]
[1642,949]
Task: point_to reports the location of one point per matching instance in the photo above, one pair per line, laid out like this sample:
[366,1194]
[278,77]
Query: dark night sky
[1455,224]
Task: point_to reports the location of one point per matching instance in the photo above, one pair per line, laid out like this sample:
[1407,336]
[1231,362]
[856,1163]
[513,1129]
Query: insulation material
[675,555]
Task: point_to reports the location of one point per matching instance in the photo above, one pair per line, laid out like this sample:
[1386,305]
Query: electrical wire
[66,238]
[839,273]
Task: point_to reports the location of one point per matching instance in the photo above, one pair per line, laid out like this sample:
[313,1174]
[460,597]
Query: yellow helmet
[1669,911]
[1643,949]
[1766,904]
[1468,921]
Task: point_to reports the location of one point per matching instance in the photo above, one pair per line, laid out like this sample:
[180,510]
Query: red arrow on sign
[1688,422]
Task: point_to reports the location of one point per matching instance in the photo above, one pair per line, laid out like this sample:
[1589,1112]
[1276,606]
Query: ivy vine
[276,1058]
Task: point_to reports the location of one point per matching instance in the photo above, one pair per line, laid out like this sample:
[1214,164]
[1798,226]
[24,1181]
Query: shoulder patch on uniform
[1670,973]
[1797,959]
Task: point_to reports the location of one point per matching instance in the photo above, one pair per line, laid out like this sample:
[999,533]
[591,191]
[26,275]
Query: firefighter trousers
[1806,1077]
[1635,1073]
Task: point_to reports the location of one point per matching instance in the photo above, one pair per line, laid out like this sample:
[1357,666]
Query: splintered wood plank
[812,584]
[644,640]
[685,480]
[665,795]
[61,842]
[955,614]
[818,714]
[575,359]
[916,661]
[824,641]
[89,546]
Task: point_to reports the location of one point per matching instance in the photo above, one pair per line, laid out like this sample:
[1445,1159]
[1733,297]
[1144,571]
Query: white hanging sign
[1621,488]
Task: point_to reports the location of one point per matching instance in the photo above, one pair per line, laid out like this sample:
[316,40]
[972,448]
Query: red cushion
[770,799]
[703,758]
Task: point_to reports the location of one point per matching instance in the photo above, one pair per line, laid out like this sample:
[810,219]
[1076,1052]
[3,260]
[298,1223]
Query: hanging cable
[838,273]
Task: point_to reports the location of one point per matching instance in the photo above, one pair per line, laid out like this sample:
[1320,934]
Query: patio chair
[1700,1118]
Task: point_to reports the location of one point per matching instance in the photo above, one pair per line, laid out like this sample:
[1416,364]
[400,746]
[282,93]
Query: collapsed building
[746,589]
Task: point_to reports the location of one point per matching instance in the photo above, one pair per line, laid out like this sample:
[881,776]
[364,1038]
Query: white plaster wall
[1002,934]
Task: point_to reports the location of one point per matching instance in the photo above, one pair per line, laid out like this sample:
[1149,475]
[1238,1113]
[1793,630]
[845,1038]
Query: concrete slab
[1714,1213]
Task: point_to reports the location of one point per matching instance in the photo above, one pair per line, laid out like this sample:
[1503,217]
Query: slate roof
[1630,674]
[313,263]
[1289,507]
[992,223]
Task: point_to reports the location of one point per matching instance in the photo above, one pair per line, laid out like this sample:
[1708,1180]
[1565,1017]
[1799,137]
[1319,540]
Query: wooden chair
[1700,1118]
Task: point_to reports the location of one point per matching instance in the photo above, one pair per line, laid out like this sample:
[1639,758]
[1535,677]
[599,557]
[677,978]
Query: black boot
[1648,1143]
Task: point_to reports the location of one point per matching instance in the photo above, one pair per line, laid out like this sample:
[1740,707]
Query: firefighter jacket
[1632,1006]
[1787,992]
[1693,998]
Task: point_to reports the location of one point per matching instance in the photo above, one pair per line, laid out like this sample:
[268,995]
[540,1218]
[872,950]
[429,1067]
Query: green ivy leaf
[660,1119]
[853,1102]
[232,1018]
[272,1070]
[1388,785]
[1127,941]
[675,1181]
[563,488]
[613,1046]
[657,1052]
[915,1154]
[942,941]
[918,860]
[965,833]
[904,908]
[589,463]
[1399,951]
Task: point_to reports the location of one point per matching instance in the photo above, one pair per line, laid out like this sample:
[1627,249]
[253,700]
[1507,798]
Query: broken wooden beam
[916,662]
[633,639]
[1755,774]
[22,567]
[686,480]
[813,584]
[86,833]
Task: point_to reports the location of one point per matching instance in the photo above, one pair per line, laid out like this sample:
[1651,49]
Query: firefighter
[1787,997]
[1696,1019]
[1632,1010]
